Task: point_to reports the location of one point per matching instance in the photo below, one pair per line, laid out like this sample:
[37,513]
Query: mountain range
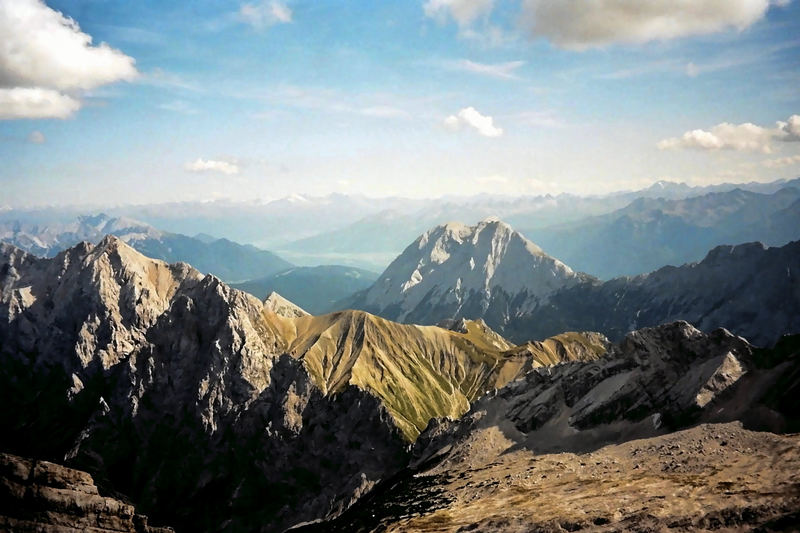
[226,259]
[369,233]
[652,232]
[477,384]
[178,391]
[624,233]
[492,272]
[212,410]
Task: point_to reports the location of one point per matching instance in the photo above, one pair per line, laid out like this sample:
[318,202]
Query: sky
[109,102]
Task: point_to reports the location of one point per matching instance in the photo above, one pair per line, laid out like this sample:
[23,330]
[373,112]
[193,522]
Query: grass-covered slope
[417,372]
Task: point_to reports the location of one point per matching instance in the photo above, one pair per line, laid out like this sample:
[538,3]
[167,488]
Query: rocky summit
[456,271]
[212,410]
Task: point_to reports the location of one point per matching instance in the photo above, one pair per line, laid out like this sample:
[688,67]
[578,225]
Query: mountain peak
[466,270]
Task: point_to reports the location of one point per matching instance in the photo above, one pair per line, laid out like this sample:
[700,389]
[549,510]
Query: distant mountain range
[221,257]
[652,232]
[363,232]
[315,289]
[618,234]
[492,272]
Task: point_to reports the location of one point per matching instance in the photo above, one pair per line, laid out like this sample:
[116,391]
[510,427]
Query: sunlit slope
[418,372]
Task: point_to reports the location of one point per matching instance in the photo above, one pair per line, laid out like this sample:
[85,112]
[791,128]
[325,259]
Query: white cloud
[790,130]
[210,165]
[782,161]
[469,116]
[578,25]
[494,70]
[45,55]
[36,137]
[265,14]
[20,102]
[740,137]
[464,12]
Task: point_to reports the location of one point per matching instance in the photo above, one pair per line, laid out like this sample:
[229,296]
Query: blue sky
[256,100]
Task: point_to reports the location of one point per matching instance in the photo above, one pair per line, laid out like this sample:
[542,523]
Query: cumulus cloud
[464,12]
[45,56]
[577,24]
[210,165]
[469,116]
[782,161]
[265,14]
[36,137]
[790,130]
[494,70]
[22,102]
[740,137]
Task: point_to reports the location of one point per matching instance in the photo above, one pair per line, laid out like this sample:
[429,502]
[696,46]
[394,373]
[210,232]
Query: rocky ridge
[557,449]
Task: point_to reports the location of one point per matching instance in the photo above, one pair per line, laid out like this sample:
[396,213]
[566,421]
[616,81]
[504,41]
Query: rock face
[557,449]
[210,410]
[38,496]
[454,271]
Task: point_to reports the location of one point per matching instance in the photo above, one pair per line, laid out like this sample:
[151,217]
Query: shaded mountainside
[315,289]
[558,449]
[211,410]
[487,271]
[652,232]
[221,257]
[750,289]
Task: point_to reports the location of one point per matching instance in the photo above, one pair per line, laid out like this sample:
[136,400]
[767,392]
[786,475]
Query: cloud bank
[739,137]
[45,58]
[578,24]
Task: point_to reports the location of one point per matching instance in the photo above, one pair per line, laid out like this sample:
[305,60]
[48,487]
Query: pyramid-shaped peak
[279,305]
